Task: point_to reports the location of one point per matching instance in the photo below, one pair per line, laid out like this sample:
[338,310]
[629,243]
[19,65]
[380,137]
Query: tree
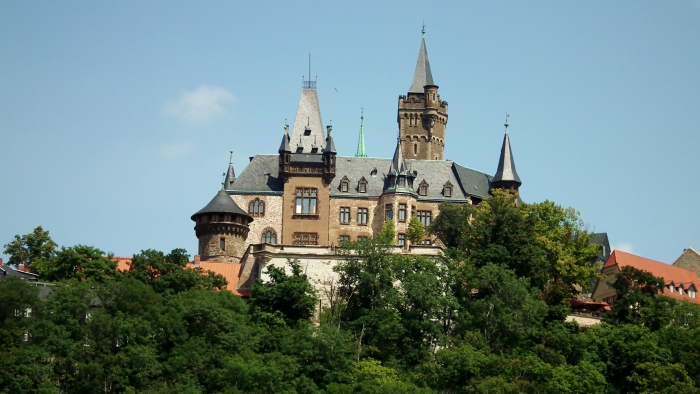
[652,378]
[31,249]
[415,231]
[290,296]
[79,262]
[168,274]
[387,235]
[638,300]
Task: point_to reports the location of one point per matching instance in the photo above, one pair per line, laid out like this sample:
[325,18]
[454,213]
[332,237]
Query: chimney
[0,262]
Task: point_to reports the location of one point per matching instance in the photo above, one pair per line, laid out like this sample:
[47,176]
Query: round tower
[222,228]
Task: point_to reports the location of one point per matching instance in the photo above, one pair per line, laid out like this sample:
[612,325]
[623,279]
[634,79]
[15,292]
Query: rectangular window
[306,200]
[402,240]
[424,217]
[361,215]
[344,187]
[345,215]
[222,243]
[413,211]
[305,239]
[448,191]
[402,181]
[402,212]
[344,238]
[389,212]
[362,187]
[361,238]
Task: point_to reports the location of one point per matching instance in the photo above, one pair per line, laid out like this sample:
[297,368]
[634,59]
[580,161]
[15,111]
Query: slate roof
[221,203]
[506,165]
[423,76]
[436,173]
[308,115]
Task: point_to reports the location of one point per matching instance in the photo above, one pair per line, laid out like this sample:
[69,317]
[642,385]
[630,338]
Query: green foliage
[372,371]
[168,274]
[31,249]
[387,235]
[290,298]
[415,231]
[80,263]
[652,378]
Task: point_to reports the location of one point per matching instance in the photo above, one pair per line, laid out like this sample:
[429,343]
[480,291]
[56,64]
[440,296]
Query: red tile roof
[670,274]
[230,271]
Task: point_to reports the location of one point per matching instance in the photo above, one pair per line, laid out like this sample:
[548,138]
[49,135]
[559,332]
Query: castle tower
[422,117]
[506,178]
[230,175]
[222,228]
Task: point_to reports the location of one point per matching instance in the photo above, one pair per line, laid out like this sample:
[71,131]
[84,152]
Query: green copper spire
[361,142]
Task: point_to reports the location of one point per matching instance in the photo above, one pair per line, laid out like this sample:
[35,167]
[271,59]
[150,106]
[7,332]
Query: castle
[305,199]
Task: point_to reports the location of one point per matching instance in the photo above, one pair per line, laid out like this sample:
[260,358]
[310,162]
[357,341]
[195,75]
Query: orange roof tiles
[670,274]
[230,271]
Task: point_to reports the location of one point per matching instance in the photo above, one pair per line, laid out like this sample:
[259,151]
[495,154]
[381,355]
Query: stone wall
[271,219]
[690,260]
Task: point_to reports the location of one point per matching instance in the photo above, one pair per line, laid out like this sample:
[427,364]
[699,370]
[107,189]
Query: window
[402,212]
[373,172]
[344,184]
[402,240]
[670,287]
[269,237]
[691,292]
[222,243]
[402,181]
[413,211]
[424,217]
[306,201]
[447,190]
[415,149]
[300,149]
[344,238]
[423,188]
[362,185]
[221,218]
[680,290]
[389,212]
[361,215]
[256,208]
[305,239]
[344,215]
[362,238]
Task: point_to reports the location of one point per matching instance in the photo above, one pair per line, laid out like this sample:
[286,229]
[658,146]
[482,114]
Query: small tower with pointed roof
[361,152]
[222,228]
[230,176]
[421,115]
[506,178]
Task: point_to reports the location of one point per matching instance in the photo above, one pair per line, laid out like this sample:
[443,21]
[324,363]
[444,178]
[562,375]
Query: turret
[221,228]
[230,176]
[506,178]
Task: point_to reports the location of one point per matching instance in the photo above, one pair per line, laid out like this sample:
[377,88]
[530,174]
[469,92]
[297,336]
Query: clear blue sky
[116,118]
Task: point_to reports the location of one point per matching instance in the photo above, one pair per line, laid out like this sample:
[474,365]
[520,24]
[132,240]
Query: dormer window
[344,184]
[300,149]
[447,190]
[423,188]
[314,150]
[691,291]
[670,287]
[307,130]
[373,173]
[402,181]
[680,290]
[362,185]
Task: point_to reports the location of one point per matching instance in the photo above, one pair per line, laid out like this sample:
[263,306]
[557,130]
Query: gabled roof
[221,203]
[398,164]
[422,76]
[506,165]
[670,274]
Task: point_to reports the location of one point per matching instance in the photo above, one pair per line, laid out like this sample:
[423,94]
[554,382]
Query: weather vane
[506,124]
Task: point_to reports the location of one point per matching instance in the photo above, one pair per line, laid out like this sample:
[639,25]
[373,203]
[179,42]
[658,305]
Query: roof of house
[230,271]
[262,176]
[307,132]
[670,274]
[506,164]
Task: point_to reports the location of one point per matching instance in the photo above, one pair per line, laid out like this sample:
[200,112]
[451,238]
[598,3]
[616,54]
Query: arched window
[256,208]
[269,237]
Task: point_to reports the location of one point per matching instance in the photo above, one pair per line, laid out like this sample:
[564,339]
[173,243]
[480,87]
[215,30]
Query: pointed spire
[361,141]
[506,166]
[423,76]
[398,164]
[330,146]
[230,174]
[308,126]
[284,146]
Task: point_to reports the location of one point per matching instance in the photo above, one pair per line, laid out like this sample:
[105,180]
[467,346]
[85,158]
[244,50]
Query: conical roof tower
[422,76]
[506,176]
[230,174]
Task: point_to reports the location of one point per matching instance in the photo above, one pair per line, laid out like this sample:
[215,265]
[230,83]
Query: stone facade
[422,122]
[221,237]
[271,219]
